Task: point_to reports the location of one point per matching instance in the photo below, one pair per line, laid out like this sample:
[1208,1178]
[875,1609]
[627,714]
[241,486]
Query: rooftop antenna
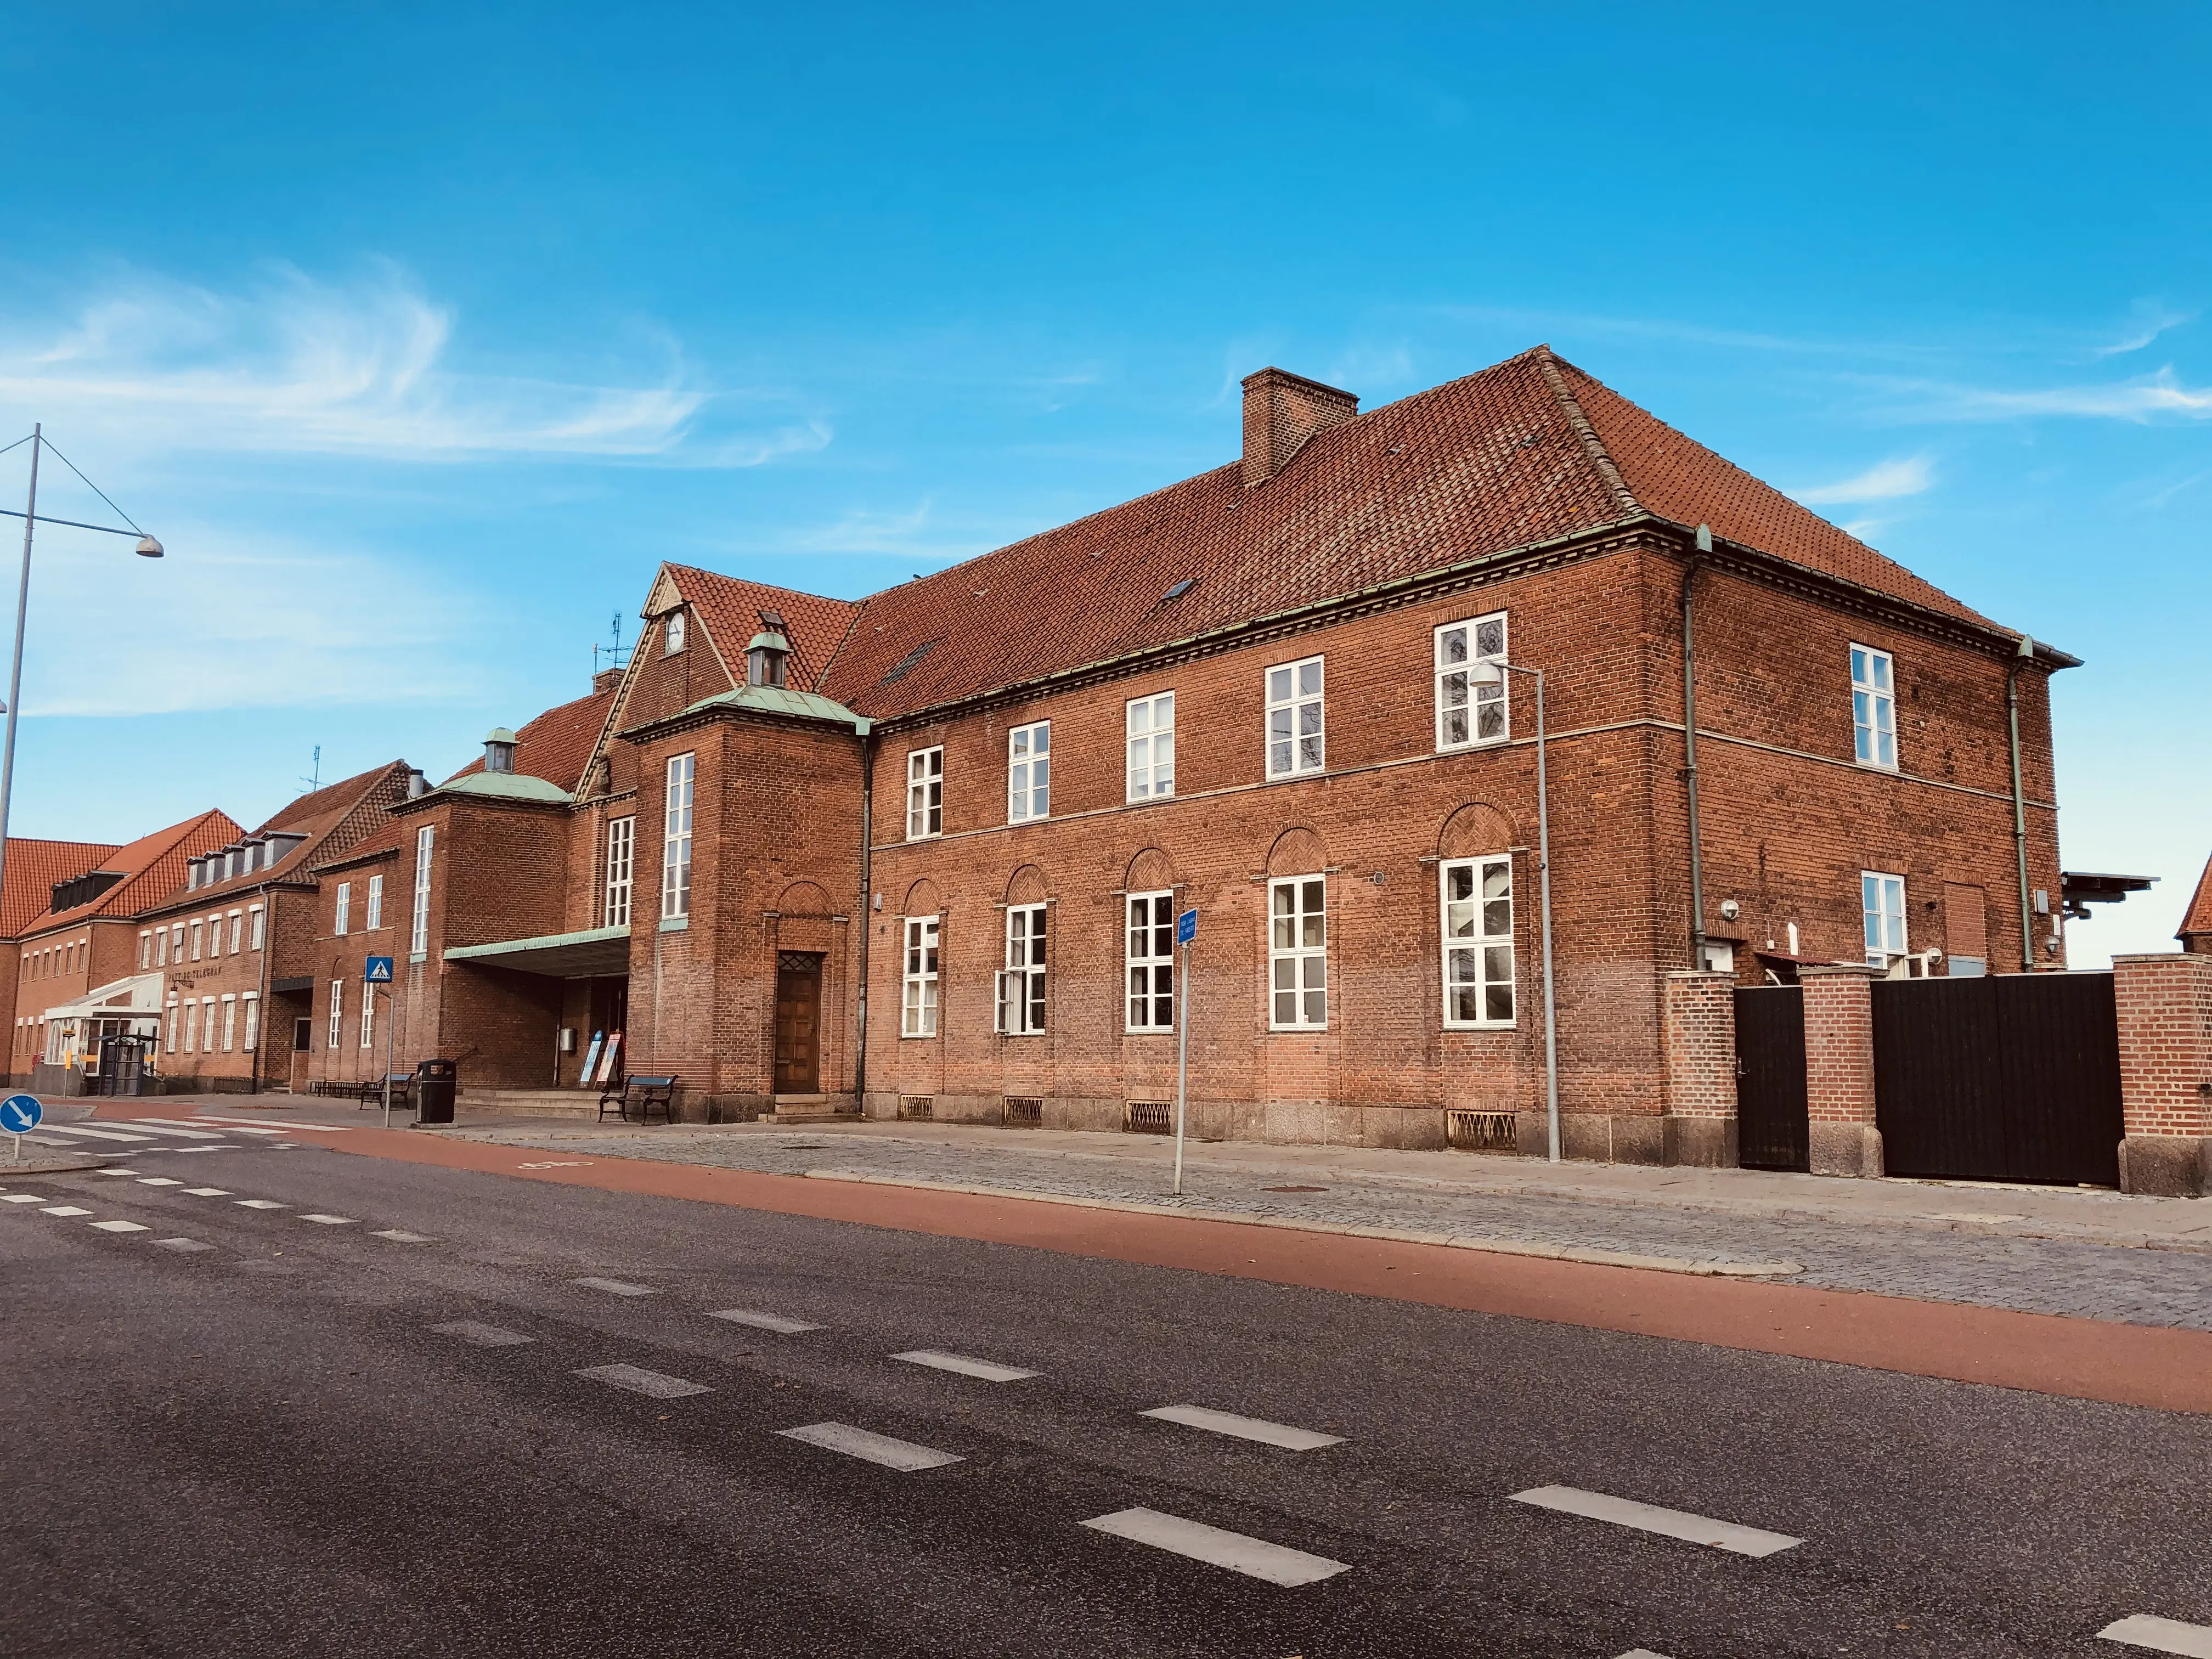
[316,782]
[612,653]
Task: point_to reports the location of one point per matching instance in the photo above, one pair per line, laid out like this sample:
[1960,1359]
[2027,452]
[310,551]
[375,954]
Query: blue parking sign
[378,971]
[1186,927]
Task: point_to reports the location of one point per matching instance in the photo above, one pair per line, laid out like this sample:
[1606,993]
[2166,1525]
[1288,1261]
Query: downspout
[261,1001]
[867,913]
[2020,659]
[1703,546]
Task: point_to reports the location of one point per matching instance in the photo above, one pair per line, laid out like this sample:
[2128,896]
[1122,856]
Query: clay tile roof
[557,746]
[2199,919]
[730,606]
[151,866]
[327,818]
[33,868]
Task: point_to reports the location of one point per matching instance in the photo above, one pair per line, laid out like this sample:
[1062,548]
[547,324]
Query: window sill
[1891,767]
[917,1037]
[1018,1036]
[1504,741]
[1297,1030]
[1482,1025]
[418,956]
[676,924]
[934,835]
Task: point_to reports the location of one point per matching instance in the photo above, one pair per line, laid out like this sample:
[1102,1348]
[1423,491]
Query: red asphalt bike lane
[2087,1359]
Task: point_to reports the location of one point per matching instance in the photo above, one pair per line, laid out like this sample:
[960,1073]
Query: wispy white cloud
[2149,319]
[1885,481]
[1863,529]
[290,364]
[2145,399]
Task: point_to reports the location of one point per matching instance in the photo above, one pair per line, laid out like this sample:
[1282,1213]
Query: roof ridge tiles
[1547,364]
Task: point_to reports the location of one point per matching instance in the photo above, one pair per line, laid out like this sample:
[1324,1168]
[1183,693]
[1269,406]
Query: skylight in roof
[1181,588]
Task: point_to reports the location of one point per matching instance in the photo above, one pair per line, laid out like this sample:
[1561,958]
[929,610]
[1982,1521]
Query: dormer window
[192,875]
[499,750]
[764,660]
[672,633]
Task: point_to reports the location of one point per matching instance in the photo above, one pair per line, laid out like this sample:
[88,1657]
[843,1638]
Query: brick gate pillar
[1839,1113]
[1700,1035]
[2164,1003]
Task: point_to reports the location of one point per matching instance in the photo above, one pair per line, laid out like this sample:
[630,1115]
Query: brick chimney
[1281,412]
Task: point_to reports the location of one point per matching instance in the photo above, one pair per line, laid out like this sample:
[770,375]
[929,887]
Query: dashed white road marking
[765,1321]
[2143,1629]
[261,1204]
[158,1180]
[24,1198]
[902,1454]
[277,1126]
[182,1244]
[654,1385]
[990,1371]
[481,1335]
[223,1146]
[64,1209]
[163,1126]
[612,1286]
[121,1227]
[119,1170]
[1642,1653]
[330,1220]
[1649,1517]
[1245,1428]
[75,1131]
[399,1237]
[1255,1558]
[208,1192]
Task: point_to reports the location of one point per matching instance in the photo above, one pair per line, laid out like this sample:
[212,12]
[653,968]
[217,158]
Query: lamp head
[1486,673]
[148,548]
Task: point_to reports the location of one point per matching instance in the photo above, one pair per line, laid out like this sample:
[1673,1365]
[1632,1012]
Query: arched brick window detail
[1296,852]
[1149,872]
[1027,886]
[1473,829]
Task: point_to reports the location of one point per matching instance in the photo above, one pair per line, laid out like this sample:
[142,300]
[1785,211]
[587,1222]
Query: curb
[1709,1268]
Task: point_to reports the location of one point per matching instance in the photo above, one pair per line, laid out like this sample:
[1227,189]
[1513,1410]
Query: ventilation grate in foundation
[1148,1117]
[1024,1112]
[1481,1132]
[916,1109]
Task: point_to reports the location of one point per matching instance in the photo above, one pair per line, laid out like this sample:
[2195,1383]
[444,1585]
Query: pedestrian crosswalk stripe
[987,1369]
[78,1131]
[158,1180]
[24,1198]
[765,1321]
[1244,1428]
[124,1170]
[399,1237]
[2143,1629]
[252,1125]
[121,1227]
[611,1286]
[330,1220]
[64,1209]
[182,1244]
[880,1449]
[207,1192]
[1255,1558]
[161,1126]
[1649,1517]
[653,1384]
[481,1335]
[261,1204]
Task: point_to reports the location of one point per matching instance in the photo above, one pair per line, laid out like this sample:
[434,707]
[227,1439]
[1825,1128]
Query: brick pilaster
[1839,1098]
[1699,1038]
[2163,1005]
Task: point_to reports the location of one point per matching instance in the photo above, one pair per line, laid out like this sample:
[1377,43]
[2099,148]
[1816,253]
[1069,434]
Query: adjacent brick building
[2196,930]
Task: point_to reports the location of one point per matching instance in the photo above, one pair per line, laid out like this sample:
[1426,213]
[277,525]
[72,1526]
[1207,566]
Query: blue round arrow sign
[20,1114]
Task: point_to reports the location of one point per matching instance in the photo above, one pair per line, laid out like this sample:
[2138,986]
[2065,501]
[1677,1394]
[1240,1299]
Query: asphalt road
[268,1447]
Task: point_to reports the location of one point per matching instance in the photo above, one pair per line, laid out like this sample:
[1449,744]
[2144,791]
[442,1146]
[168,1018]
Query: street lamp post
[148,548]
[1493,673]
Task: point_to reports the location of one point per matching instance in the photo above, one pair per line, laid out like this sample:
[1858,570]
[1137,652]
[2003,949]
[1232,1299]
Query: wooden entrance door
[798,1023]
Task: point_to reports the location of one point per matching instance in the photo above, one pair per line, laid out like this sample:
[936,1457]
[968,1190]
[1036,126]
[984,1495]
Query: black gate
[2012,1077]
[1769,1077]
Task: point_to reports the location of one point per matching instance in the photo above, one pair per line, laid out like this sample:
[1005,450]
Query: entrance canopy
[594,951]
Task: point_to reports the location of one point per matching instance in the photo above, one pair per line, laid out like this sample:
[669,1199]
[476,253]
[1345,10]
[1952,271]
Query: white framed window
[1150,962]
[925,793]
[1294,719]
[1881,900]
[676,838]
[337,1011]
[418,941]
[1021,982]
[1298,953]
[1029,772]
[237,929]
[1477,941]
[196,941]
[229,1023]
[215,935]
[260,928]
[1469,714]
[622,846]
[368,1016]
[1151,727]
[345,908]
[1874,707]
[171,1043]
[921,1005]
[192,1025]
[370,922]
[177,942]
[253,1001]
[145,949]
[672,633]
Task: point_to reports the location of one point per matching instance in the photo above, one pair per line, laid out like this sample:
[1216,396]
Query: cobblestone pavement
[1888,1254]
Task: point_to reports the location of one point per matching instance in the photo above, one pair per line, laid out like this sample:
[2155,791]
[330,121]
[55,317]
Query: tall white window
[925,793]
[177,942]
[1478,935]
[253,1001]
[261,919]
[1151,747]
[676,839]
[368,1016]
[237,929]
[1297,954]
[145,951]
[160,947]
[1881,897]
[174,1022]
[338,1011]
[1467,713]
[1021,983]
[418,941]
[621,844]
[373,921]
[1029,772]
[1294,719]
[196,941]
[1874,707]
[921,933]
[215,935]
[192,1025]
[672,633]
[345,907]
[229,1023]
[1150,962]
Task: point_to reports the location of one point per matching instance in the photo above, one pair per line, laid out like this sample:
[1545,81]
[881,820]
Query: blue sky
[422,335]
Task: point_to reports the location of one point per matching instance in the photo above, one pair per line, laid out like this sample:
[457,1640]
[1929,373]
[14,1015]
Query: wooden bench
[403,1090]
[646,1092]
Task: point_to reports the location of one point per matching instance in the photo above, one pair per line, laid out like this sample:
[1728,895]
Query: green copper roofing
[501,734]
[505,786]
[781,700]
[773,641]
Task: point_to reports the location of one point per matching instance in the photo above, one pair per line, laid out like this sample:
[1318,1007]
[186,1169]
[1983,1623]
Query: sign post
[375,971]
[19,1116]
[1186,931]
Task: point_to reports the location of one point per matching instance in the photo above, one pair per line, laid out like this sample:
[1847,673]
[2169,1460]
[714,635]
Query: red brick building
[2196,930]
[921,852]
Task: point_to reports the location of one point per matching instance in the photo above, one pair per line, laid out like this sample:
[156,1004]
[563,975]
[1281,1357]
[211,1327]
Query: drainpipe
[2020,659]
[867,913]
[1704,545]
[261,1002]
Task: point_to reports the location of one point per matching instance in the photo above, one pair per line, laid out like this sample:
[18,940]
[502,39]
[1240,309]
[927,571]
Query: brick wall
[2164,1005]
[1839,1094]
[1700,1053]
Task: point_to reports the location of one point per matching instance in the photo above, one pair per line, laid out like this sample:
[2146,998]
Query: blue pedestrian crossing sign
[20,1114]
[1186,927]
[378,971]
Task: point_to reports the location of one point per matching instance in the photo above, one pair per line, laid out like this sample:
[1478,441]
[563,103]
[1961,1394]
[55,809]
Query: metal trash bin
[434,1081]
